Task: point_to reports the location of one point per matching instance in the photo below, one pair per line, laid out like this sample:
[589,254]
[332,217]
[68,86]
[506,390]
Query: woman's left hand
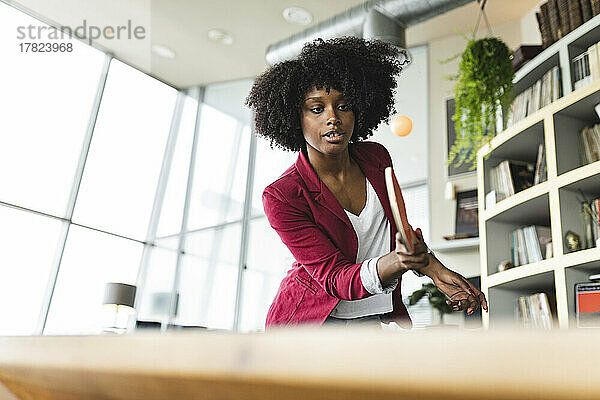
[463,295]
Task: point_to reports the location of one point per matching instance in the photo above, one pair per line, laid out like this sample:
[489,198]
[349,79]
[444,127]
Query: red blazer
[315,227]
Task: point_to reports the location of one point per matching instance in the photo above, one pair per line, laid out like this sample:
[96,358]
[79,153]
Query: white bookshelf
[552,203]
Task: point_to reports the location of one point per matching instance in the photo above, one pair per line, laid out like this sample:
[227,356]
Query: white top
[373,231]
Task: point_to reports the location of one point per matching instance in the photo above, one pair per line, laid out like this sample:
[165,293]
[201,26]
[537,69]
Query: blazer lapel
[321,192]
[374,171]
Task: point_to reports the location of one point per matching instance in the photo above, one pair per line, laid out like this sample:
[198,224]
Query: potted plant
[437,299]
[484,87]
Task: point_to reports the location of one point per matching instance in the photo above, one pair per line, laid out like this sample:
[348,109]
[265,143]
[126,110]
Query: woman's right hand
[391,266]
[416,260]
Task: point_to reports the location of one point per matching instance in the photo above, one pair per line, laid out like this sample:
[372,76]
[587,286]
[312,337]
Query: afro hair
[363,70]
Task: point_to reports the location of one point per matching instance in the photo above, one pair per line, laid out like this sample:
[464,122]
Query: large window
[45,103]
[67,176]
[123,164]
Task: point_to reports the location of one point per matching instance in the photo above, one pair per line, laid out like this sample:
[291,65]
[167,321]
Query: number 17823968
[45,47]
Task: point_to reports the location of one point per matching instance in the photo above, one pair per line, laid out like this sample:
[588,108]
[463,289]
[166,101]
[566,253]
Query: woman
[331,207]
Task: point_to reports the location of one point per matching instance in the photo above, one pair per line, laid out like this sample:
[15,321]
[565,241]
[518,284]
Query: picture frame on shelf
[467,213]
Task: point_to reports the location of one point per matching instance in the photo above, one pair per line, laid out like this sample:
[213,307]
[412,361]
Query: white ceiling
[182,25]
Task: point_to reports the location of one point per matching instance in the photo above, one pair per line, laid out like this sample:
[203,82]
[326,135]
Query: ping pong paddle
[399,210]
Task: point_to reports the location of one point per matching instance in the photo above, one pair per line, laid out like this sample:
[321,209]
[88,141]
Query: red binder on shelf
[399,210]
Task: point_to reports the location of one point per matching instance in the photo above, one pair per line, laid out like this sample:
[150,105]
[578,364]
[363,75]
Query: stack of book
[591,212]
[510,177]
[589,144]
[533,311]
[581,70]
[586,66]
[543,92]
[557,18]
[531,244]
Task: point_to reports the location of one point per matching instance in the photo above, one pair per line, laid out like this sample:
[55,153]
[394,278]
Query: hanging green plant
[484,85]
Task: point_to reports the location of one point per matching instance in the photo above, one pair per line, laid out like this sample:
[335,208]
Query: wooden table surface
[305,364]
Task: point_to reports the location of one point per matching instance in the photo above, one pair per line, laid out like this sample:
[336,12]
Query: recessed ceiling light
[220,36]
[163,51]
[297,15]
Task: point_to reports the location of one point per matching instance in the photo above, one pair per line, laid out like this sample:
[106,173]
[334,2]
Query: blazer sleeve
[312,248]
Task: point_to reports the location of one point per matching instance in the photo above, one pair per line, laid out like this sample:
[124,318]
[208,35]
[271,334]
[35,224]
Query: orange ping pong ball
[401,125]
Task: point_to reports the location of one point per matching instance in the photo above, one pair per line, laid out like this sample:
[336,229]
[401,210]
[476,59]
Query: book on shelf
[589,144]
[554,18]
[541,169]
[536,93]
[591,219]
[522,312]
[586,10]
[587,304]
[543,92]
[575,14]
[555,81]
[592,53]
[595,7]
[531,244]
[519,253]
[586,66]
[544,24]
[533,311]
[563,17]
[581,70]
